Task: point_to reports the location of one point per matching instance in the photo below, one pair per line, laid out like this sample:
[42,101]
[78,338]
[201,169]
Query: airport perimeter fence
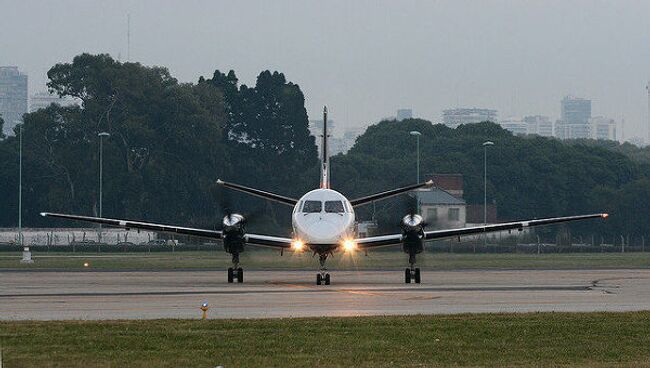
[434,247]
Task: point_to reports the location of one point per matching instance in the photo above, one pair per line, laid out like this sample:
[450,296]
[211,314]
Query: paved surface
[271,294]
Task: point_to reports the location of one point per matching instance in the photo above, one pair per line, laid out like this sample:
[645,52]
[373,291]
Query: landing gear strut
[322,276]
[412,273]
[235,272]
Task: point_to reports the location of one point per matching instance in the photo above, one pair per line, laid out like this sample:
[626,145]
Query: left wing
[252,239]
[395,239]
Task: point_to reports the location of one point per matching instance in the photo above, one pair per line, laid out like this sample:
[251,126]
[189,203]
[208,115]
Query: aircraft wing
[268,241]
[126,224]
[396,239]
[251,239]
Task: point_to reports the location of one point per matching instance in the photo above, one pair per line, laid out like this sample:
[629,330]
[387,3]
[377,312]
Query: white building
[455,117]
[603,128]
[539,125]
[404,114]
[515,126]
[42,100]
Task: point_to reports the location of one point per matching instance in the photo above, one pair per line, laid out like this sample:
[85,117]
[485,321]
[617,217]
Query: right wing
[396,239]
[126,224]
[251,239]
[259,193]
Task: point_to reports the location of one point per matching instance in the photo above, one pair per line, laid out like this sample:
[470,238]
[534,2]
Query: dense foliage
[170,141]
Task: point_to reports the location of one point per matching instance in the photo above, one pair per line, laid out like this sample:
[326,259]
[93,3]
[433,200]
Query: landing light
[297,245]
[349,245]
[604,215]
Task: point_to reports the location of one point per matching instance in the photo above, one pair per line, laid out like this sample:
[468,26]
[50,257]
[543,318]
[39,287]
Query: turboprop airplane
[323,223]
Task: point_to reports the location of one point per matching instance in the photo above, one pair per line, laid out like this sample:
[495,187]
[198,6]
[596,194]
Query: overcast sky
[366,59]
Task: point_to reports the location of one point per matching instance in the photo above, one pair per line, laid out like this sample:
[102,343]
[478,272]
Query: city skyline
[406,54]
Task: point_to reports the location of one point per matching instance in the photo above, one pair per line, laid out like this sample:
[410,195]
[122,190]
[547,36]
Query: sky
[365,59]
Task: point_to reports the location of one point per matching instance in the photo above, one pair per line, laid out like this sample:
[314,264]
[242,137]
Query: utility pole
[485,146]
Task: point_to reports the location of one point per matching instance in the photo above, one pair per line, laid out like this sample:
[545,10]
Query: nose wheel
[323,279]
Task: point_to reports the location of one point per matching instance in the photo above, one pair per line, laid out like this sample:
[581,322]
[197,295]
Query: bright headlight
[297,245]
[349,245]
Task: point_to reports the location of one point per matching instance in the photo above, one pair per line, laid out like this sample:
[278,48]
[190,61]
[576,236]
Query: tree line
[169,142]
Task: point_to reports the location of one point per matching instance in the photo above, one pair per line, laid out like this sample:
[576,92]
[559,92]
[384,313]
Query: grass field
[495,340]
[266,259]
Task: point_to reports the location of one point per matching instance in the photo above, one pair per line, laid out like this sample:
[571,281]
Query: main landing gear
[412,273]
[322,276]
[235,272]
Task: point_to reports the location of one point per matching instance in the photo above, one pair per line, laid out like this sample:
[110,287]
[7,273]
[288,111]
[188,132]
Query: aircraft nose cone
[322,230]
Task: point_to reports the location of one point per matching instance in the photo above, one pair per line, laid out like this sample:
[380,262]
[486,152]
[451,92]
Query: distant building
[13,97]
[539,125]
[440,209]
[574,120]
[42,100]
[516,126]
[455,117]
[603,128]
[404,114]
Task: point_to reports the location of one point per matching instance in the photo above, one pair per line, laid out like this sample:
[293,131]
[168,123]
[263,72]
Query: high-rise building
[574,120]
[42,100]
[515,126]
[455,117]
[13,97]
[603,128]
[404,114]
[540,125]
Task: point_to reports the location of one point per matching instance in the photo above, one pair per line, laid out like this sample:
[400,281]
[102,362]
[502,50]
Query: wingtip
[604,215]
[429,183]
[44,214]
[219,181]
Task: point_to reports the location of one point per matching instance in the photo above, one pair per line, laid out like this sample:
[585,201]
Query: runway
[96,295]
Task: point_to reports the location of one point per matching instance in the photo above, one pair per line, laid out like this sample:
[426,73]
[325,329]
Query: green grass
[265,259]
[495,340]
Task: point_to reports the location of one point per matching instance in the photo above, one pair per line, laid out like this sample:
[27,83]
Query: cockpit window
[312,206]
[334,207]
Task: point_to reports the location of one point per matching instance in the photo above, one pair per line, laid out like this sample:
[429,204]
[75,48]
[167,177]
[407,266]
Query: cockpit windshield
[334,207]
[312,206]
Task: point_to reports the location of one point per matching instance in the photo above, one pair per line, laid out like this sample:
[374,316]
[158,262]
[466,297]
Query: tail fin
[325,163]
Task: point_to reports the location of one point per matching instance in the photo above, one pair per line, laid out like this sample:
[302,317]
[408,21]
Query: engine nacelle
[234,228]
[412,223]
[413,230]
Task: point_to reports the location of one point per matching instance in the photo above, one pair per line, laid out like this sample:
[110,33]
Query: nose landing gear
[322,276]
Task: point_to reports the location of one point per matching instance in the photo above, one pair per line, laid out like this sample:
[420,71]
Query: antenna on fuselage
[325,177]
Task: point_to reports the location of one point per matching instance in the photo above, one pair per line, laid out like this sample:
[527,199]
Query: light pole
[101,169]
[417,139]
[485,146]
[27,254]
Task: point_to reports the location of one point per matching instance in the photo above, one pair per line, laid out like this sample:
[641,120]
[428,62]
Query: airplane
[323,222]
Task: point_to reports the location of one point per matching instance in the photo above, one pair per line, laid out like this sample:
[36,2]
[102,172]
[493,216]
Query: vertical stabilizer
[325,162]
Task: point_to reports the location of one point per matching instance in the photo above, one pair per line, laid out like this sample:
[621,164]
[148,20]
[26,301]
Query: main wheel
[407,276]
[319,279]
[230,275]
[327,279]
[240,275]
[417,275]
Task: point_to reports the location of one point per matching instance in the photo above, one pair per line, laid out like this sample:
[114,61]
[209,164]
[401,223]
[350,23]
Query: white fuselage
[323,217]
